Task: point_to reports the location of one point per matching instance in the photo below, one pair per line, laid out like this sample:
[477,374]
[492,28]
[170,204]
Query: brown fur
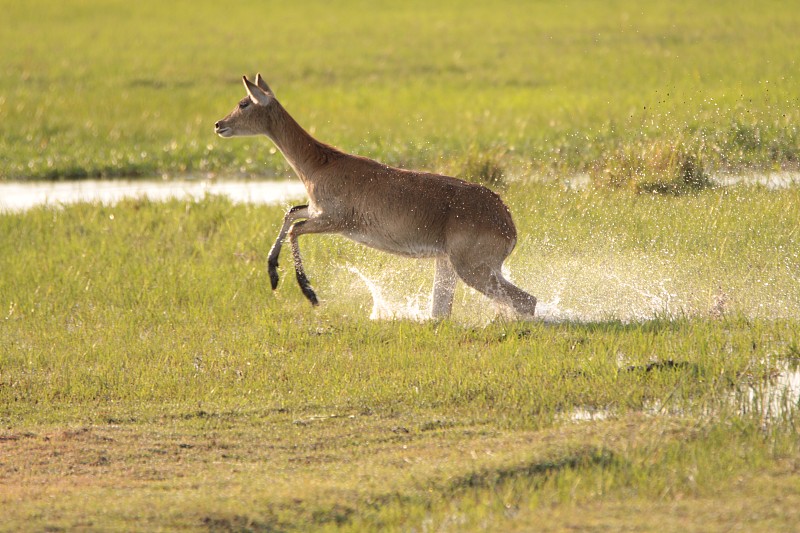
[465,226]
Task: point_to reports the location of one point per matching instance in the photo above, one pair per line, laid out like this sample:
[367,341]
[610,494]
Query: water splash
[384,307]
[600,288]
[388,303]
[581,289]
[550,312]
[628,287]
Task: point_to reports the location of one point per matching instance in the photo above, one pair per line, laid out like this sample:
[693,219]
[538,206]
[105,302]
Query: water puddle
[774,180]
[774,398]
[770,399]
[19,196]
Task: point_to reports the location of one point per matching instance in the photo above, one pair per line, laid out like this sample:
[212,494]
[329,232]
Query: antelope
[465,227]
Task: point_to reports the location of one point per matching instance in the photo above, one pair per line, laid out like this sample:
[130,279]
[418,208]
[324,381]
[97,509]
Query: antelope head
[250,115]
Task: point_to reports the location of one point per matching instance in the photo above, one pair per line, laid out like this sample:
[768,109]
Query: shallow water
[773,180]
[18,196]
[770,400]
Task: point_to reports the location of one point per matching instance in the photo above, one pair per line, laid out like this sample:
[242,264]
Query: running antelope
[466,227]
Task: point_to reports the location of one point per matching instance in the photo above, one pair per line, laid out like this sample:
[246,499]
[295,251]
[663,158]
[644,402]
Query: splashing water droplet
[384,308]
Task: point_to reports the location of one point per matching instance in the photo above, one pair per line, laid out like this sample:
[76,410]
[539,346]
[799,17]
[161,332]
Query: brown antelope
[466,227]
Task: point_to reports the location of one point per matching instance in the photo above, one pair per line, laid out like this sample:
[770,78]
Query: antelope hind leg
[521,302]
[490,282]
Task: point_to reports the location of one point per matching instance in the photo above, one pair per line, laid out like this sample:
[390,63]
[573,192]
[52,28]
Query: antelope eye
[244,103]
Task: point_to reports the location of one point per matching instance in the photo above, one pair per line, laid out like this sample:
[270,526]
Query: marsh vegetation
[625,93]
[144,355]
[150,379]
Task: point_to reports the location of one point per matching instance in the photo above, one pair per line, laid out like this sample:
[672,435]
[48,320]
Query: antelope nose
[216,125]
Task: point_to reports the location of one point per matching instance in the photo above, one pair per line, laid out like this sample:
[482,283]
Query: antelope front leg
[444,287]
[298,211]
[311,225]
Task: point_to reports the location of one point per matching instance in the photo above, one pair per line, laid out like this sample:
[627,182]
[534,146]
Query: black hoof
[273,277]
[312,297]
[305,287]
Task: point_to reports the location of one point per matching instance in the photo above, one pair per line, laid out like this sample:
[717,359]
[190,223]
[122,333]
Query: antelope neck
[303,152]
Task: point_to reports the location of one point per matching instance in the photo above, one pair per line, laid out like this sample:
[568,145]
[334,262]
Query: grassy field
[151,380]
[624,91]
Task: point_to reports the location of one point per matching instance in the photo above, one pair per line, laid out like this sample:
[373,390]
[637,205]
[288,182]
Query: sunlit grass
[150,379]
[117,89]
[146,301]
[141,334]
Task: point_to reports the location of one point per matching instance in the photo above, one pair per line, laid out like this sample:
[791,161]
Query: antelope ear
[261,83]
[256,94]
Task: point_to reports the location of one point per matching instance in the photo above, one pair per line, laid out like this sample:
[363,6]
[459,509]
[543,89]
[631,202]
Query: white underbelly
[396,245]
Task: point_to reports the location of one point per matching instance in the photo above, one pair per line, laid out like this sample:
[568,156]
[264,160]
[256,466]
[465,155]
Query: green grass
[150,379]
[631,94]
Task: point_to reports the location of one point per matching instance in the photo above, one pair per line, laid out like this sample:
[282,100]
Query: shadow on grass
[490,477]
[521,330]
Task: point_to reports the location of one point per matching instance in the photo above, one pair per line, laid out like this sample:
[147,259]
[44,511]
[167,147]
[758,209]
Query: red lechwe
[466,227]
